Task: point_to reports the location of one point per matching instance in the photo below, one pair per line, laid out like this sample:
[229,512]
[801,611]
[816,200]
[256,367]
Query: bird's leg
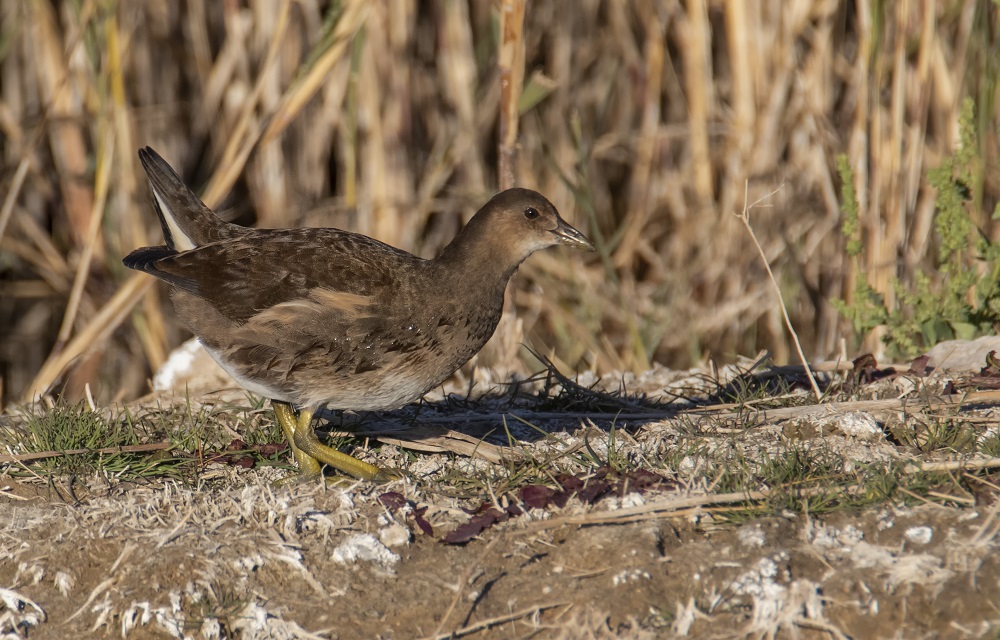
[308,466]
[310,452]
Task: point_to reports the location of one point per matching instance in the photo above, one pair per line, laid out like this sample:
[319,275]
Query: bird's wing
[283,273]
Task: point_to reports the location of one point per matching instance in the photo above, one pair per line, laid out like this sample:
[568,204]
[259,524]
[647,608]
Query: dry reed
[641,120]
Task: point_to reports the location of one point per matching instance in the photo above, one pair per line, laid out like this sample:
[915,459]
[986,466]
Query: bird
[321,317]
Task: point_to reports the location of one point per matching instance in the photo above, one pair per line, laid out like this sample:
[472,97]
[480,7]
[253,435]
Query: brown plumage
[314,317]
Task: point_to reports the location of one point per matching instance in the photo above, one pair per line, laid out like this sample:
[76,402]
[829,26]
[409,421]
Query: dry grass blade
[433,439]
[665,506]
[699,88]
[955,465]
[11,198]
[511,80]
[102,180]
[955,401]
[352,18]
[628,249]
[70,152]
[105,321]
[241,143]
[745,218]
[687,506]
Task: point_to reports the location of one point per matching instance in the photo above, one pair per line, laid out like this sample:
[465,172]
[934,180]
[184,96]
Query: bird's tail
[187,223]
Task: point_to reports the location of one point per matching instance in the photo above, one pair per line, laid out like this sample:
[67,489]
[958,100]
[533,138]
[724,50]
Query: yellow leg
[308,466]
[310,452]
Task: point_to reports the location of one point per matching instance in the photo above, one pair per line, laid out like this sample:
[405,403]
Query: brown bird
[324,317]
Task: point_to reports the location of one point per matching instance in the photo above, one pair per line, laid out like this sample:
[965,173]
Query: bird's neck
[475,275]
[472,255]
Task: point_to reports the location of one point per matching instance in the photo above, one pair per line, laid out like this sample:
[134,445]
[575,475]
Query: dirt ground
[308,561]
[239,555]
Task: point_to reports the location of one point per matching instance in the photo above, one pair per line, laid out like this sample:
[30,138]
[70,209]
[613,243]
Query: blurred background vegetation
[647,123]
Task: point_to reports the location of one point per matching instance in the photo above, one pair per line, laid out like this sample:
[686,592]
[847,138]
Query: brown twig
[745,218]
[41,455]
[683,507]
[462,583]
[955,401]
[954,465]
[660,508]
[491,622]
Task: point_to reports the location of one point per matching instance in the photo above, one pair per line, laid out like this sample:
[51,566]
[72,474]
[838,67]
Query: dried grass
[641,120]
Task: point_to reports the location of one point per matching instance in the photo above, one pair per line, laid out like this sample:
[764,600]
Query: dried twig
[661,508]
[683,507]
[41,455]
[492,622]
[955,401]
[745,217]
[463,581]
[106,152]
[953,465]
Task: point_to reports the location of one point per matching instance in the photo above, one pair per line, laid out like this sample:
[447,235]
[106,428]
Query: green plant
[989,445]
[931,434]
[153,442]
[958,295]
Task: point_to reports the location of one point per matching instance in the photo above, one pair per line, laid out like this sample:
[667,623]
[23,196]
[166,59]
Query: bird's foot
[311,454]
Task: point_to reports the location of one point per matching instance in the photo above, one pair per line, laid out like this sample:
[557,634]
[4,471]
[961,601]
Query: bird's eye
[531,213]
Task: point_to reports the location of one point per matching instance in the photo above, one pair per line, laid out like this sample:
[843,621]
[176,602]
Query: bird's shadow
[523,411]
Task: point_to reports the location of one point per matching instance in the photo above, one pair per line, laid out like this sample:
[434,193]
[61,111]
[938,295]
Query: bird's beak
[569,236]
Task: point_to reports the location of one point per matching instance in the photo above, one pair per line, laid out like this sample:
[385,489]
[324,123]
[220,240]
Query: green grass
[73,427]
[989,445]
[936,434]
[80,440]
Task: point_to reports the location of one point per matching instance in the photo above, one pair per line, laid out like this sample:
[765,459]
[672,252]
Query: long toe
[388,475]
[309,444]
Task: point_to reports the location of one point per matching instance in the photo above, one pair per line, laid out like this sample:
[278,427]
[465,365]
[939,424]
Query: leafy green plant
[958,296]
